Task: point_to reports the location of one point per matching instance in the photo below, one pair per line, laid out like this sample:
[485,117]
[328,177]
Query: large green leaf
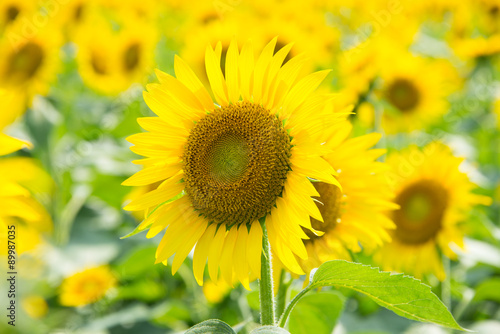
[404,295]
[316,313]
[212,326]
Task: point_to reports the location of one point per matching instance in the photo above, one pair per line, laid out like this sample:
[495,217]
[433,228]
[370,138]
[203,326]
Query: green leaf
[488,290]
[212,326]
[316,313]
[404,295]
[269,330]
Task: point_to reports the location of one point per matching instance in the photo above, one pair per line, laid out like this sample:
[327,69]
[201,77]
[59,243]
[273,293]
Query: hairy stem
[266,282]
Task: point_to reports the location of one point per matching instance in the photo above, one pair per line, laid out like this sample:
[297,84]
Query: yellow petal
[214,73]
[201,253]
[232,75]
[186,75]
[246,70]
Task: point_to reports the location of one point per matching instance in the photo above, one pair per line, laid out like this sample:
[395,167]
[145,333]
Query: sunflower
[434,197]
[29,63]
[35,306]
[354,217]
[20,179]
[412,100]
[476,28]
[87,286]
[232,164]
[201,33]
[12,10]
[110,61]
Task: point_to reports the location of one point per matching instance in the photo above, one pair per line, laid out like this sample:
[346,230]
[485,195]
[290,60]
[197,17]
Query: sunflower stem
[283,292]
[446,284]
[266,282]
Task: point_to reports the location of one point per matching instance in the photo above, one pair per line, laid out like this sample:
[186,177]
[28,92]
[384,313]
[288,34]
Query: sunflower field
[253,167]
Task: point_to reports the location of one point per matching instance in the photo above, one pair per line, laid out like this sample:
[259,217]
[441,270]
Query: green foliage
[316,313]
[488,290]
[404,295]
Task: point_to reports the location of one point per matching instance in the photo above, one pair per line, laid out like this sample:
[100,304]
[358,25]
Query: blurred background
[72,74]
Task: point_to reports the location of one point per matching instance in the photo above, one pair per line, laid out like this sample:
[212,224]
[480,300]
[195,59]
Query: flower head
[87,286]
[434,197]
[227,166]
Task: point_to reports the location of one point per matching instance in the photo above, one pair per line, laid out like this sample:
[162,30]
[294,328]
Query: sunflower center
[131,57]
[98,64]
[24,63]
[329,205]
[419,219]
[11,13]
[403,94]
[236,162]
[229,158]
[77,14]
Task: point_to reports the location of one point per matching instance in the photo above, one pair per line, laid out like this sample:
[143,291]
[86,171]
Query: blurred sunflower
[356,216]
[232,164]
[29,63]
[209,33]
[414,101]
[73,14]
[12,10]
[87,286]
[17,203]
[476,28]
[434,197]
[110,61]
[35,306]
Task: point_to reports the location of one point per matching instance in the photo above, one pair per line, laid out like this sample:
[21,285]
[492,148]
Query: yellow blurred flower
[476,28]
[110,61]
[87,286]
[415,90]
[35,306]
[20,180]
[11,11]
[215,292]
[29,63]
[434,197]
[354,216]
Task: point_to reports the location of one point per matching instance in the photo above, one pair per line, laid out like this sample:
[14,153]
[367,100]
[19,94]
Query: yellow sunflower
[87,286]
[413,100]
[354,217]
[233,163]
[476,28]
[35,306]
[29,62]
[20,180]
[110,61]
[12,11]
[434,197]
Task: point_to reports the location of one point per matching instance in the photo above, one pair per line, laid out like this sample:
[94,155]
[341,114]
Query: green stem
[445,285]
[282,295]
[290,307]
[266,282]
